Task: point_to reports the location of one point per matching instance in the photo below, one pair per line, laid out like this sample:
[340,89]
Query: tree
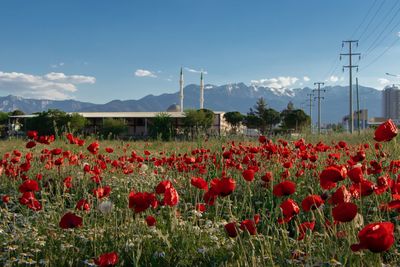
[17,112]
[234,118]
[252,121]
[161,127]
[198,121]
[335,127]
[3,118]
[113,126]
[49,122]
[271,117]
[260,117]
[295,119]
[260,107]
[76,122]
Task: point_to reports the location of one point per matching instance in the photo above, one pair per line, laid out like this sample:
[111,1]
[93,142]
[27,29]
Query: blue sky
[91,50]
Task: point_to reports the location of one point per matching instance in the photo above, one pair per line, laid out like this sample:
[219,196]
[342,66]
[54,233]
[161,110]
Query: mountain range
[230,97]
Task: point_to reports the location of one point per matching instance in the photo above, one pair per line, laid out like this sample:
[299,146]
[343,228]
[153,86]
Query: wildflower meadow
[328,201]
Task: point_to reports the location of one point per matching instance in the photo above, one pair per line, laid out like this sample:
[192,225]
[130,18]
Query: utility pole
[310,105]
[350,54]
[201,91]
[181,89]
[319,103]
[358,108]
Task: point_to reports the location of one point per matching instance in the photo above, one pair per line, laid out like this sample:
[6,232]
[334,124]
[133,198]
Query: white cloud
[383,81]
[75,79]
[333,79]
[54,66]
[195,71]
[55,86]
[144,73]
[276,83]
[306,78]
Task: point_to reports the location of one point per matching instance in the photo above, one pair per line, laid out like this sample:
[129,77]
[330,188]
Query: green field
[190,222]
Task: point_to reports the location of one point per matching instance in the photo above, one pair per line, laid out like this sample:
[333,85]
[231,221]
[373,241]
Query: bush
[161,127]
[115,127]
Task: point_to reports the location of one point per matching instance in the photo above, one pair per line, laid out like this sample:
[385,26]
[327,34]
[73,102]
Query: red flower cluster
[376,237]
[107,259]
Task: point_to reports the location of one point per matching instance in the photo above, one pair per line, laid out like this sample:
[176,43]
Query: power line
[373,18]
[384,17]
[334,66]
[375,43]
[365,17]
[381,54]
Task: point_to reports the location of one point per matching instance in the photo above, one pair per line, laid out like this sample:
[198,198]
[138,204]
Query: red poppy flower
[355,174]
[289,209]
[141,201]
[101,192]
[209,197]
[262,139]
[249,225]
[68,181]
[82,204]
[70,220]
[93,147]
[331,175]
[5,199]
[344,212]
[341,195]
[109,150]
[284,188]
[150,220]
[231,229]
[311,202]
[24,167]
[392,205]
[171,197]
[376,237]
[32,134]
[107,259]
[30,144]
[56,151]
[303,229]
[342,144]
[200,207]
[364,188]
[386,131]
[17,153]
[29,186]
[162,186]
[223,187]
[267,177]
[199,182]
[29,199]
[81,142]
[248,175]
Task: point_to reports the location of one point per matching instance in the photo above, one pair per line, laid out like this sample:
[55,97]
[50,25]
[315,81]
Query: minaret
[181,89]
[201,91]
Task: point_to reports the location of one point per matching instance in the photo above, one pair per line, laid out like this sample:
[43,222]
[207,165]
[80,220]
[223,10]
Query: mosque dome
[174,108]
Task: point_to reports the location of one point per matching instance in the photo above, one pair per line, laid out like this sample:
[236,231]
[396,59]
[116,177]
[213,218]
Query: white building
[391,102]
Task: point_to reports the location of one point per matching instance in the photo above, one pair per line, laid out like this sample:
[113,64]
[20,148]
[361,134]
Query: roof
[129,114]
[119,114]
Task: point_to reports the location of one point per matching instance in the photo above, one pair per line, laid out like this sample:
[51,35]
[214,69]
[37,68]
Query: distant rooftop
[120,114]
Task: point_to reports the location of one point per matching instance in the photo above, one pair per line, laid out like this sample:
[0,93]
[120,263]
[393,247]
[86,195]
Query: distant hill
[10,103]
[231,97]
